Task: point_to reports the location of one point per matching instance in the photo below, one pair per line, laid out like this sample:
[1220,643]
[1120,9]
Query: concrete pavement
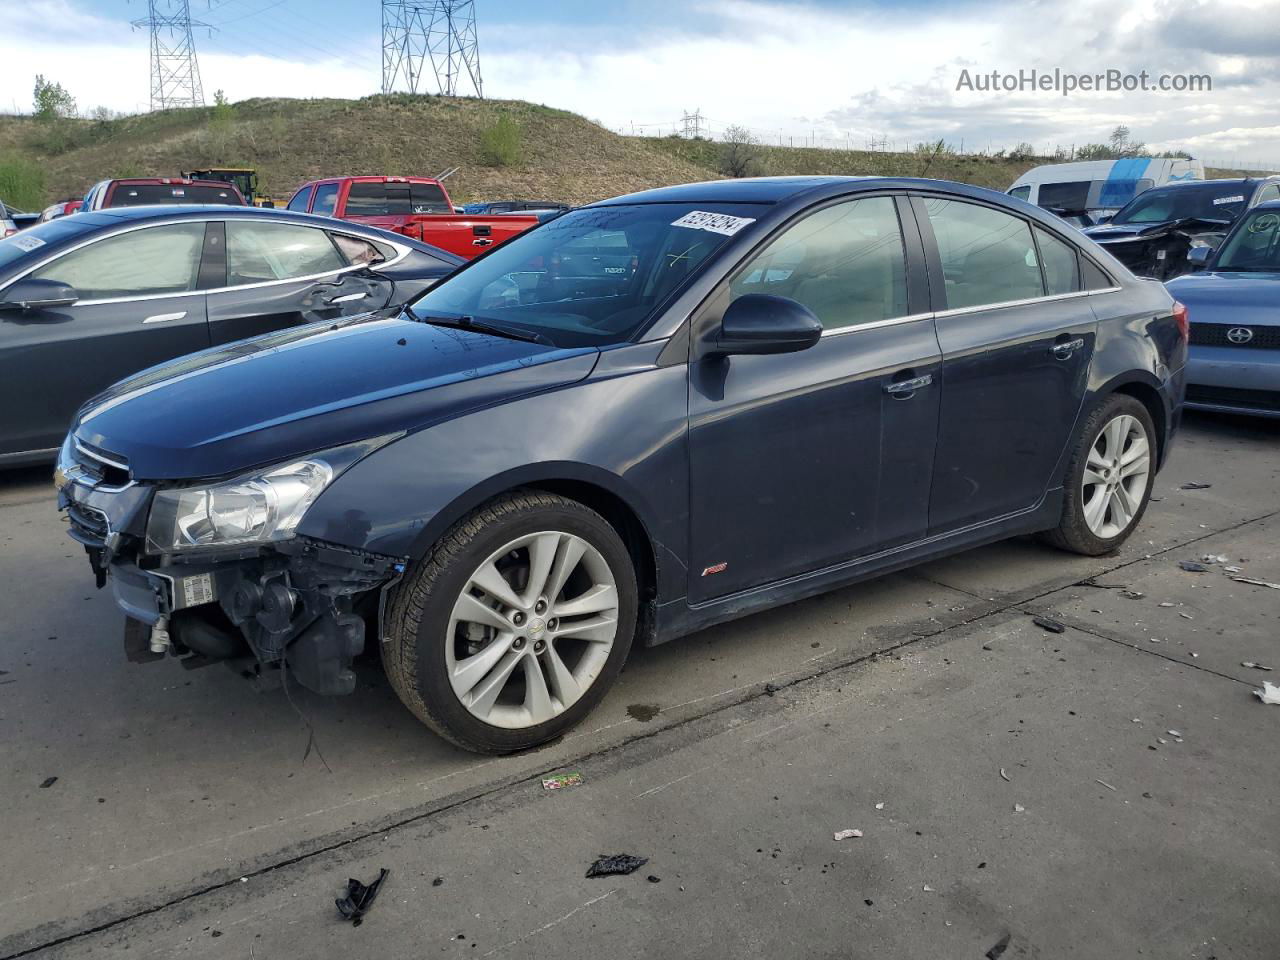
[172,785]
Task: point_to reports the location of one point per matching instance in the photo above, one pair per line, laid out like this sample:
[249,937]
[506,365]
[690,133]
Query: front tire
[515,626]
[1109,478]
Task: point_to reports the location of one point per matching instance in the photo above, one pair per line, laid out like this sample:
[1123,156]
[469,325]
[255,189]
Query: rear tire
[515,625]
[1109,478]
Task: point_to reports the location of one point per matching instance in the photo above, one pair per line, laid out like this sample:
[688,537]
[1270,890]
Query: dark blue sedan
[86,300]
[644,417]
[1234,365]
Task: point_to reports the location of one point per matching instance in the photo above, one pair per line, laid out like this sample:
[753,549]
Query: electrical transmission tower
[430,36]
[175,73]
[693,124]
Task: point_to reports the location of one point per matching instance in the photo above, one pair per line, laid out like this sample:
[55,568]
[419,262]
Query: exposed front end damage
[1159,250]
[299,604]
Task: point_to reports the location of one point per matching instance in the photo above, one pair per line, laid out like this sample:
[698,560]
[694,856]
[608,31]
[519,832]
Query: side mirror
[759,323]
[35,294]
[1199,256]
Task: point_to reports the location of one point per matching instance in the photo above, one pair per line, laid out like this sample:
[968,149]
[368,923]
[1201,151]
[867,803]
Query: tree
[51,101]
[740,153]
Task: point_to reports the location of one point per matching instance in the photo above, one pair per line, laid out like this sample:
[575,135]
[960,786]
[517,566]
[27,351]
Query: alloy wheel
[1115,476]
[532,629]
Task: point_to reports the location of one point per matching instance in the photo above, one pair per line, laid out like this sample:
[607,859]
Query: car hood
[297,391]
[1240,299]
[1120,232]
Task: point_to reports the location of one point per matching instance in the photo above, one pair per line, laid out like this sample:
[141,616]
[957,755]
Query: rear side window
[154,260]
[358,251]
[845,263]
[1093,275]
[428,198]
[987,255]
[326,199]
[134,195]
[301,199]
[1061,272]
[258,252]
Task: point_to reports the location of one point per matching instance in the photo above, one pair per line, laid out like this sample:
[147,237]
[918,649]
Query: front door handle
[165,317]
[902,389]
[1063,351]
[346,298]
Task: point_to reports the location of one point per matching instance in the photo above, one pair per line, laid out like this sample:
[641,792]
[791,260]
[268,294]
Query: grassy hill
[560,156]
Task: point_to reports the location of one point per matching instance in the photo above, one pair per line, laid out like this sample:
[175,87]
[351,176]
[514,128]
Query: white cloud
[836,72]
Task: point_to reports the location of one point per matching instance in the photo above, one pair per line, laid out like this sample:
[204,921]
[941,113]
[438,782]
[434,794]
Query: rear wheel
[516,625]
[1109,478]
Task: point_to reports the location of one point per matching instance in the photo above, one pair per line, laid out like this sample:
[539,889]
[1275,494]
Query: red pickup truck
[418,207]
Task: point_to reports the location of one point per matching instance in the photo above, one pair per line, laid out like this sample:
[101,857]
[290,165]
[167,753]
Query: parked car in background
[418,207]
[1234,364]
[60,209]
[516,206]
[1153,235]
[1091,190]
[797,383]
[148,191]
[8,226]
[86,300]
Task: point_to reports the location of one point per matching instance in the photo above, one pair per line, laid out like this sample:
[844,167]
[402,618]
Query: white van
[1100,187]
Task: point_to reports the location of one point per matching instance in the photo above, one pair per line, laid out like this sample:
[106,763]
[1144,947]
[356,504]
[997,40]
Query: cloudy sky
[852,71]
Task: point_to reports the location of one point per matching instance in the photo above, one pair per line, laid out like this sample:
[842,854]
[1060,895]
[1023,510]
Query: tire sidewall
[432,675]
[1114,406]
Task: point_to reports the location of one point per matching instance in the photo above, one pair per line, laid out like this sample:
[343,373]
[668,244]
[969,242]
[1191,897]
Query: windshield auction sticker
[1219,200]
[26,243]
[715,222]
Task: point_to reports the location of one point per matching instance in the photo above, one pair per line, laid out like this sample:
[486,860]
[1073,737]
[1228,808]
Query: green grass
[21,183]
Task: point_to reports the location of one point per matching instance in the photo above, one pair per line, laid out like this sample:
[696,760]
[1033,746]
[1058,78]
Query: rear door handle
[346,298]
[1063,351]
[165,317]
[905,388]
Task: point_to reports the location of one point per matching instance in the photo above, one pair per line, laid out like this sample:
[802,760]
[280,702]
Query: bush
[21,183]
[740,154]
[500,143]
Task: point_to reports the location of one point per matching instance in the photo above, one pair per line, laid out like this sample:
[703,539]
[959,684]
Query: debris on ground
[652,879]
[1091,582]
[1019,808]
[1001,945]
[48,782]
[880,805]
[1270,692]
[1105,784]
[927,888]
[1195,485]
[771,688]
[1249,664]
[1231,569]
[1044,623]
[1168,603]
[1216,558]
[561,780]
[1004,776]
[1257,583]
[1192,566]
[846,834]
[359,898]
[619,864]
[1132,594]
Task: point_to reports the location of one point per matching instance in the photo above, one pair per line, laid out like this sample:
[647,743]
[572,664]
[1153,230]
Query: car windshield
[1204,201]
[1254,245]
[592,276]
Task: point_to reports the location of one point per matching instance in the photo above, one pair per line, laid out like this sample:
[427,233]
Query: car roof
[777,190]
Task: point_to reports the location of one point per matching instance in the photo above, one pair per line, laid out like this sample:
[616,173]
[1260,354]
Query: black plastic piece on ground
[1000,947]
[619,863]
[359,898]
[1192,566]
[1053,626]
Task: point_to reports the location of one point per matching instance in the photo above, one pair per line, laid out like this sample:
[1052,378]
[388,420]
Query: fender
[401,498]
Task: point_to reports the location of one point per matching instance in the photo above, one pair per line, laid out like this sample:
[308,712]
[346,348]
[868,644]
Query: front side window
[846,263]
[1254,245]
[1061,272]
[154,260]
[1270,192]
[592,276]
[987,255]
[301,199]
[326,199]
[259,252]
[1022,193]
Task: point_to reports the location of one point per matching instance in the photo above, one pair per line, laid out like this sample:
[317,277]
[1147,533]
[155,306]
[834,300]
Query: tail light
[1182,318]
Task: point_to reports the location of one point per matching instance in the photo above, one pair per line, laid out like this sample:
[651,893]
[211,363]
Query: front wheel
[515,626]
[1109,478]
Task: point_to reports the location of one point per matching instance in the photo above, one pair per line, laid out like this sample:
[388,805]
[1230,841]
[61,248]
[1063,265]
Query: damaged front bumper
[299,604]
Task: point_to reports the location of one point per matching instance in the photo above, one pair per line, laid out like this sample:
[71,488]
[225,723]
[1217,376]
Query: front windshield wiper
[481,326]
